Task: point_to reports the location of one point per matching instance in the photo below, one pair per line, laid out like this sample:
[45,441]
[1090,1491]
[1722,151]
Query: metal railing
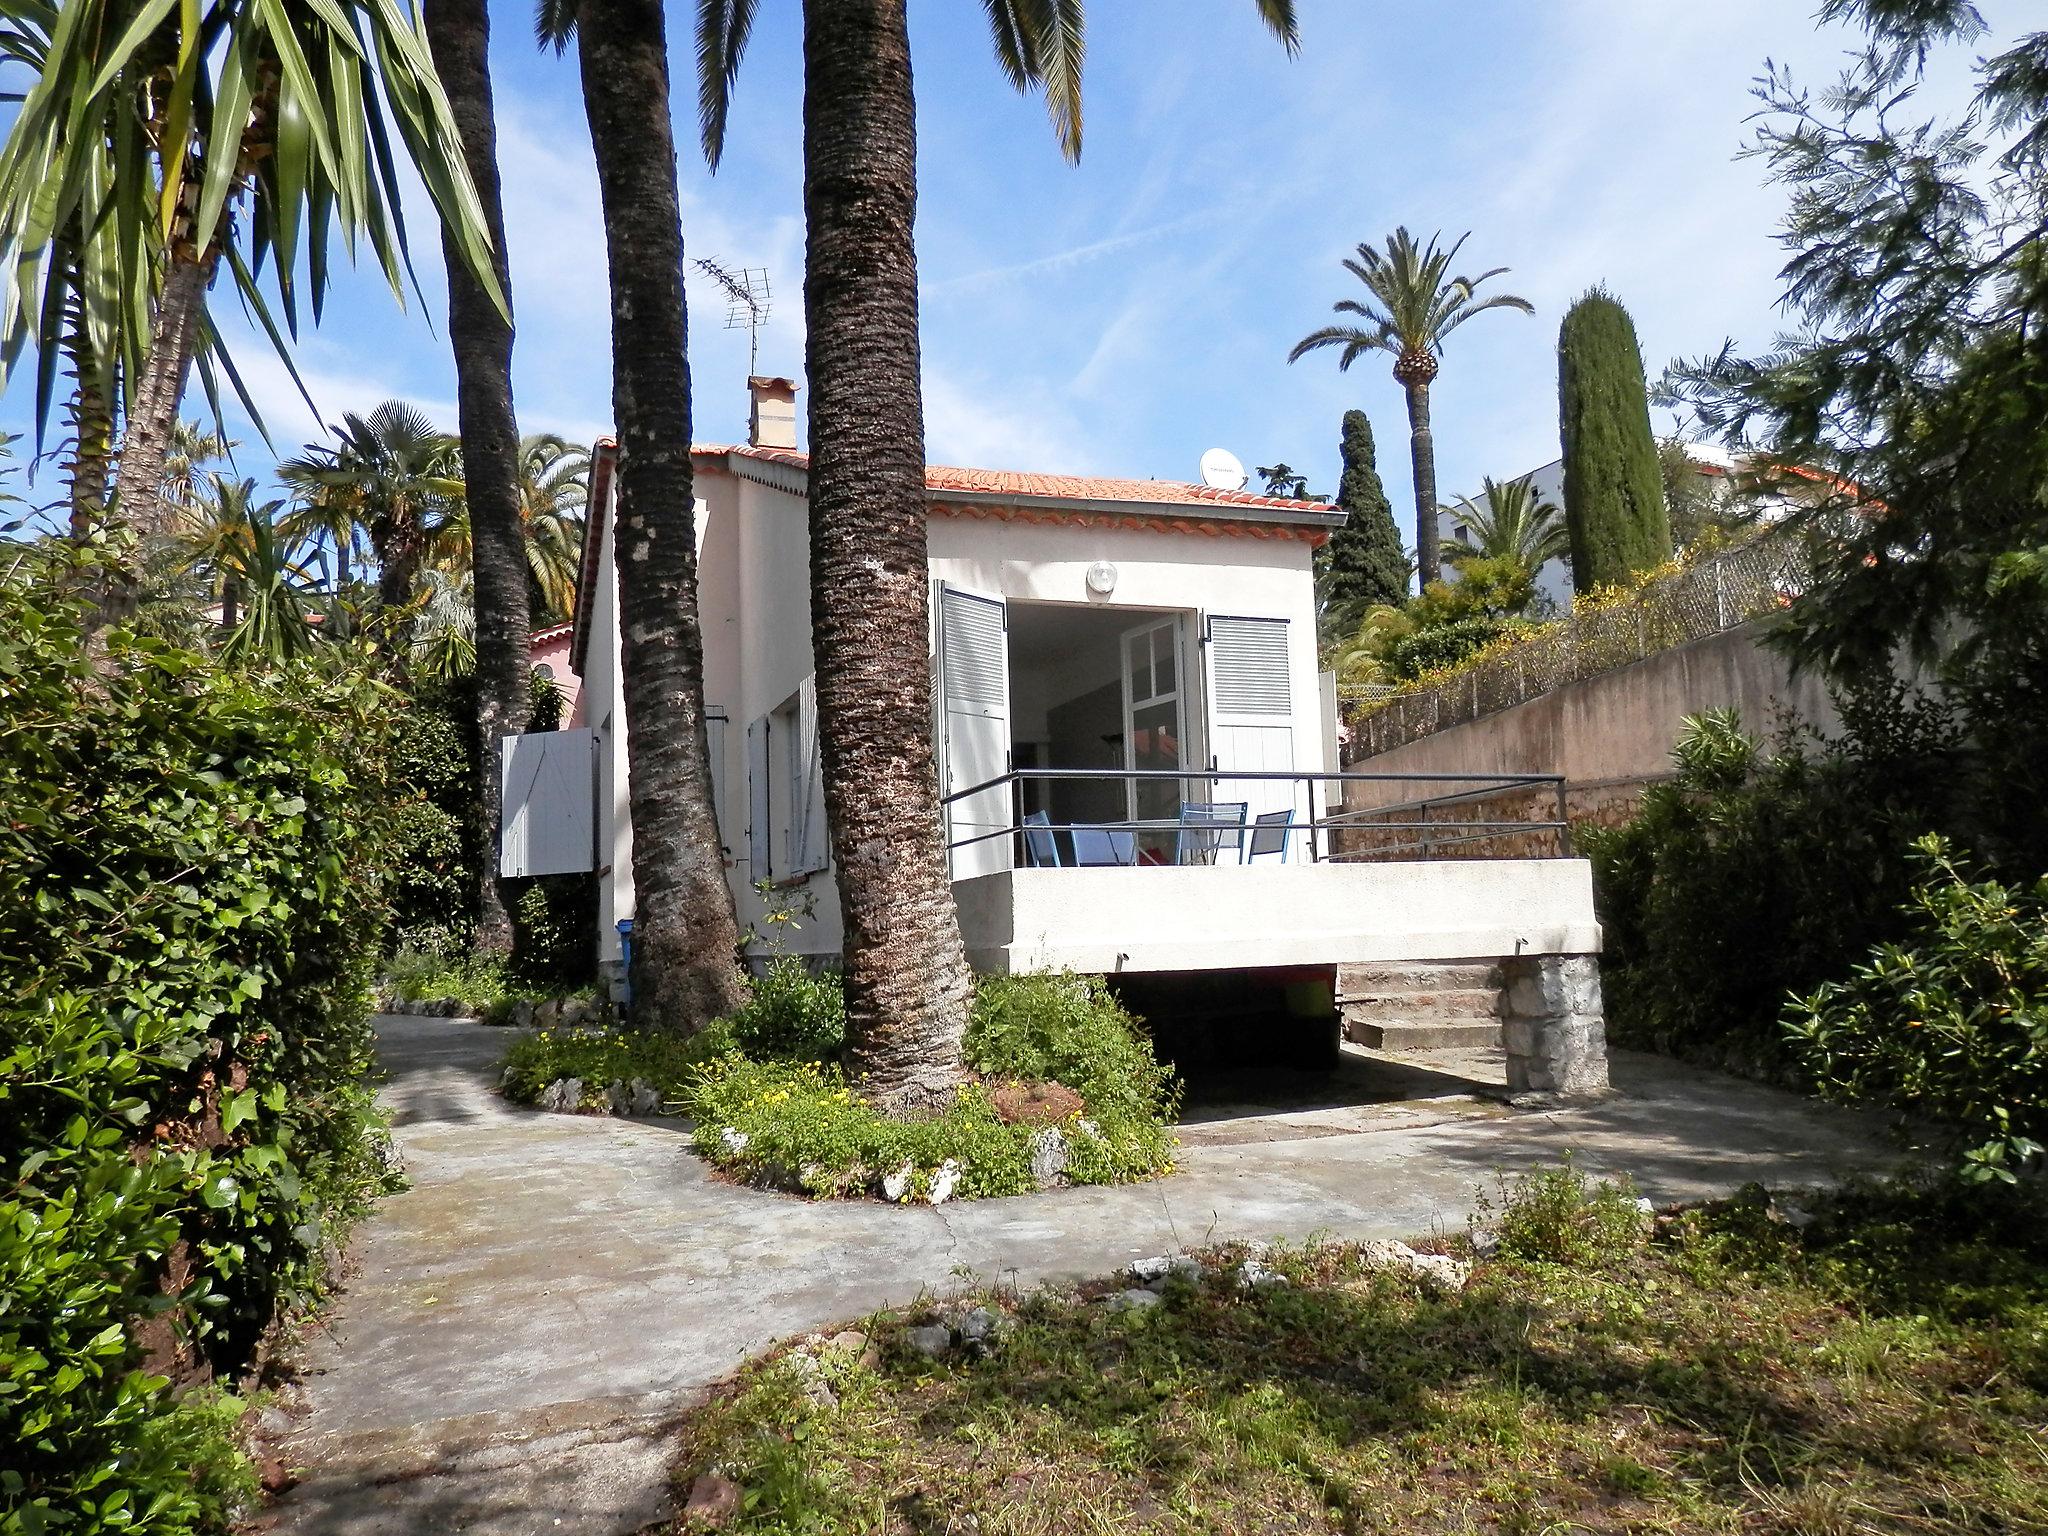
[1708,597]
[1438,830]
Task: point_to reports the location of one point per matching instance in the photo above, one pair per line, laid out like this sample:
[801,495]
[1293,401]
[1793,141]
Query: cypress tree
[1364,562]
[1613,482]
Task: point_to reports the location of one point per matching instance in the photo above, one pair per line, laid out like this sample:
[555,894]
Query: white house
[1083,629]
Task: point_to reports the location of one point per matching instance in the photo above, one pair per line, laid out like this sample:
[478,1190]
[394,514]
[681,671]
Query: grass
[1883,1368]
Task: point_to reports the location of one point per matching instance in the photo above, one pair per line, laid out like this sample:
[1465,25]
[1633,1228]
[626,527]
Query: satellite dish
[1222,472]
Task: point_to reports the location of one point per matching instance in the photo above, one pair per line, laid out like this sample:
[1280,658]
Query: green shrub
[1951,1023]
[792,1014]
[1072,1030]
[190,858]
[1559,1216]
[602,1056]
[1437,646]
[554,920]
[1754,874]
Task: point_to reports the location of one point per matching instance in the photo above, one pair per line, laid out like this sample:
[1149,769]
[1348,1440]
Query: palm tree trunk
[92,457]
[907,981]
[174,333]
[1422,451]
[230,603]
[685,933]
[459,34]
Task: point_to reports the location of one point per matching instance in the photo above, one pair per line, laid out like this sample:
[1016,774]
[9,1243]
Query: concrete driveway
[553,1290]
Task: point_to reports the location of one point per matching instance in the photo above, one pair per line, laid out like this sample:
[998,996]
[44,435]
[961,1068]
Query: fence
[1711,595]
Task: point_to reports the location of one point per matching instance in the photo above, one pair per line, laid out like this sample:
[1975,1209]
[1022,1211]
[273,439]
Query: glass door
[1153,734]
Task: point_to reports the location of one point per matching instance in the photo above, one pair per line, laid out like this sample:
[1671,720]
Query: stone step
[1418,976]
[1387,1034]
[1459,1003]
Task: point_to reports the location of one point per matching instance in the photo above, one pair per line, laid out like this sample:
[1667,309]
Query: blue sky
[1121,317]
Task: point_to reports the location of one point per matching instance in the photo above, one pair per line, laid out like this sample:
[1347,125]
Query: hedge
[190,859]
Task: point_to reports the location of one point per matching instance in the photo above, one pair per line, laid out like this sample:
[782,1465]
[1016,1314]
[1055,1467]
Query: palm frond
[723,27]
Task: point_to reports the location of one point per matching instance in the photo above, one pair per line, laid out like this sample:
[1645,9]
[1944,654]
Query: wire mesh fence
[1705,598]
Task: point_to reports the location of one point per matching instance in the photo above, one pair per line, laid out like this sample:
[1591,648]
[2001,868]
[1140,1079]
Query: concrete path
[553,1290]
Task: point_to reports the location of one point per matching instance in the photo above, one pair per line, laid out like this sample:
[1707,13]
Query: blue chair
[1206,828]
[1269,835]
[1041,843]
[1095,846]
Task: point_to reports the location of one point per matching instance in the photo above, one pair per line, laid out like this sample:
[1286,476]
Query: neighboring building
[547,653]
[1554,588]
[1091,625]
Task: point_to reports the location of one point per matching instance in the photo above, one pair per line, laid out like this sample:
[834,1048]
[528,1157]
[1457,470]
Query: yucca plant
[170,135]
[1414,302]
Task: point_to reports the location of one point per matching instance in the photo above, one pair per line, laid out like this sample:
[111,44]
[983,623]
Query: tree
[480,331]
[147,125]
[685,930]
[907,981]
[1364,564]
[1613,482]
[236,542]
[401,478]
[1512,522]
[1413,305]
[553,485]
[1283,480]
[1916,385]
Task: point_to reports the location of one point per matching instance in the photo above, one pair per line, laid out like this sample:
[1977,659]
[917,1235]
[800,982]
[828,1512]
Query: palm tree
[480,330]
[148,123]
[1511,522]
[907,980]
[237,546]
[402,479]
[1414,305]
[553,484]
[686,933]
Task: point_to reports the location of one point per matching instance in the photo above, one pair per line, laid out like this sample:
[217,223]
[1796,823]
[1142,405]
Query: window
[785,790]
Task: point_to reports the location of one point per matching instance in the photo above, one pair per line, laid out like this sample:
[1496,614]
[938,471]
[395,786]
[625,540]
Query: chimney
[773,423]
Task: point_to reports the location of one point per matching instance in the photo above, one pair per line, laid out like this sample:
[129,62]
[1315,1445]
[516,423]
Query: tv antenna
[746,302]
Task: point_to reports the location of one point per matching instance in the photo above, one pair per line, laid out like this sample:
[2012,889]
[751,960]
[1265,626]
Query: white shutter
[974,691]
[760,822]
[1251,713]
[548,816]
[714,732]
[808,849]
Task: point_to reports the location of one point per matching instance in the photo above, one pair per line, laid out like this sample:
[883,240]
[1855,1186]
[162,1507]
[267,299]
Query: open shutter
[760,825]
[1251,711]
[548,817]
[808,847]
[974,692]
[714,733]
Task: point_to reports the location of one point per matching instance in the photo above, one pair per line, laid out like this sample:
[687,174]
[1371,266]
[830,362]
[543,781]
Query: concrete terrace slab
[553,1289]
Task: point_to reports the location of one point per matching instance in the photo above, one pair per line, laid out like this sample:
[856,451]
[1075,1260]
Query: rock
[564,1095]
[1793,1215]
[713,1501]
[1137,1299]
[817,1390]
[1088,1127]
[637,1097]
[933,1340]
[1158,1273]
[896,1185]
[544,1015]
[1485,1242]
[575,1012]
[274,1474]
[521,1014]
[944,1182]
[385,1150]
[1439,1271]
[849,1341]
[981,1329]
[733,1141]
[1048,1156]
[1258,1275]
[274,1422]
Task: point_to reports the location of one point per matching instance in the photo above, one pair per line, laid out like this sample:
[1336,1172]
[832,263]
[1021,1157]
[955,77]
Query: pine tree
[1364,563]
[1613,482]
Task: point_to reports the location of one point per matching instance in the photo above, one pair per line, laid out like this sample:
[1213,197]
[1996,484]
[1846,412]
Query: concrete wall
[1609,735]
[1231,917]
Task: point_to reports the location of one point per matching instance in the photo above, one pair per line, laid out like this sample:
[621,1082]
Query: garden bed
[1065,1089]
[1875,1361]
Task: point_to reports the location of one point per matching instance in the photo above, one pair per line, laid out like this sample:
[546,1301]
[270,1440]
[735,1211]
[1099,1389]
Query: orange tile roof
[944,478]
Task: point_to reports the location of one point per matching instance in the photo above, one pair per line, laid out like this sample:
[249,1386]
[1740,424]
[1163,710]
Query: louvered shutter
[1251,710]
[548,814]
[974,690]
[760,822]
[810,843]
